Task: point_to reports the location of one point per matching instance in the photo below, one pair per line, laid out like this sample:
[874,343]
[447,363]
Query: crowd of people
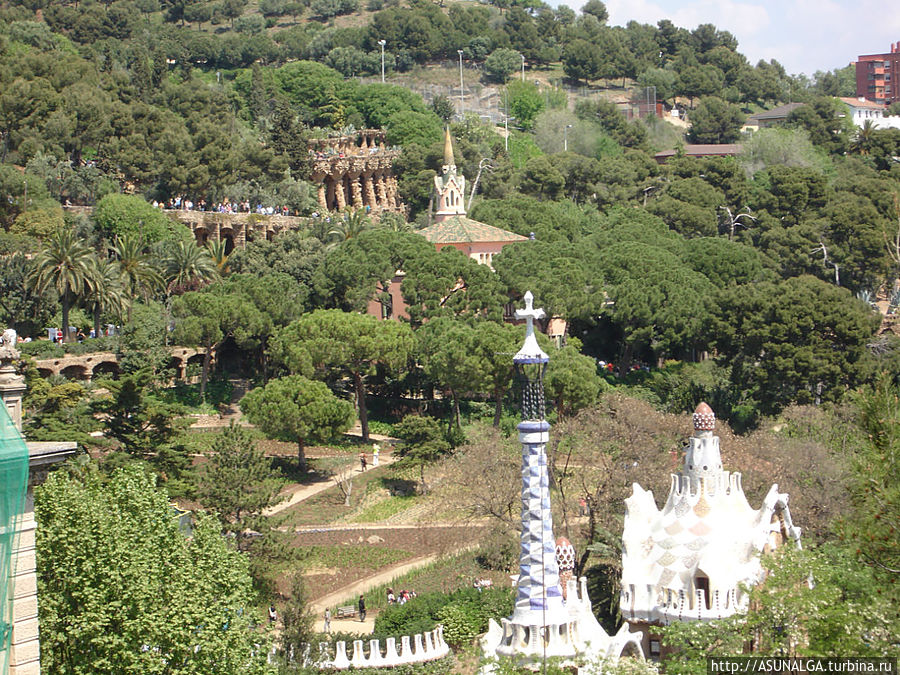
[180,203]
[401,599]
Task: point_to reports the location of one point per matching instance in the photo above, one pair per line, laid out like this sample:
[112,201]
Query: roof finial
[448,148]
[704,418]
[530,351]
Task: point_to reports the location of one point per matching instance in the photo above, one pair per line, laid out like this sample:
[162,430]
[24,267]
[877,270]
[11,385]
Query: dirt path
[297,493]
[350,594]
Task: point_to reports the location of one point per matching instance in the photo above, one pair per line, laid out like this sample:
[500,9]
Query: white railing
[417,648]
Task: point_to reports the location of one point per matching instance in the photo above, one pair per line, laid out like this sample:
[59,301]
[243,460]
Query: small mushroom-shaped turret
[704,418]
[565,554]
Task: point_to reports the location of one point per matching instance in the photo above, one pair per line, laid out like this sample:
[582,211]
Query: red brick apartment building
[878,76]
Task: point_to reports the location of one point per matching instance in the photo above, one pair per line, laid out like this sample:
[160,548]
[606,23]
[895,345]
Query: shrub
[463,613]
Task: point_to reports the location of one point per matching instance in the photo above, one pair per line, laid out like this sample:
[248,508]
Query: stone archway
[106,369]
[631,649]
[76,371]
[201,234]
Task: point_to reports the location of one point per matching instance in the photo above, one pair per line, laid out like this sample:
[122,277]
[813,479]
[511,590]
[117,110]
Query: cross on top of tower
[530,351]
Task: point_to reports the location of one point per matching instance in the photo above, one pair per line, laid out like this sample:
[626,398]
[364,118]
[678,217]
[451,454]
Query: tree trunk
[424,488]
[498,407]
[65,315]
[204,374]
[361,405]
[301,454]
[96,321]
[455,407]
[625,363]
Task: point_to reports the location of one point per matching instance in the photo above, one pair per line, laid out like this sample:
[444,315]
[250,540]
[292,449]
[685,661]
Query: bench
[345,611]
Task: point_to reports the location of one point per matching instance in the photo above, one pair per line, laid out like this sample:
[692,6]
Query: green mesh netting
[13,481]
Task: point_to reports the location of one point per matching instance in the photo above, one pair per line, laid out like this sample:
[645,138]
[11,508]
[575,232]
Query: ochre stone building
[355,171]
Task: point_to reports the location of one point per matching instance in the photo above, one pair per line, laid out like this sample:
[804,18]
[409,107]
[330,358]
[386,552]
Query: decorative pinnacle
[448,149]
[704,418]
[530,351]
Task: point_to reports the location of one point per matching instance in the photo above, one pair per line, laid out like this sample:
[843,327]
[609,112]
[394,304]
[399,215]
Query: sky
[803,35]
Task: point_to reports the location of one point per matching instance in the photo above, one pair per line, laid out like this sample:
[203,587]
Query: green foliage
[123,589]
[876,497]
[63,264]
[121,215]
[656,300]
[464,614]
[715,121]
[571,381]
[355,344]
[57,412]
[446,350]
[295,253]
[38,223]
[525,102]
[295,409]
[408,126]
[802,340]
[141,426]
[780,146]
[501,63]
[142,342]
[443,107]
[423,442]
[206,319]
[790,617]
[237,484]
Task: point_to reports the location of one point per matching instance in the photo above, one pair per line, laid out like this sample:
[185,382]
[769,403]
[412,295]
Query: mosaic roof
[463,230]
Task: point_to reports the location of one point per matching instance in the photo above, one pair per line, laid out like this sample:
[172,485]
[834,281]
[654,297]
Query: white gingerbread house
[690,560]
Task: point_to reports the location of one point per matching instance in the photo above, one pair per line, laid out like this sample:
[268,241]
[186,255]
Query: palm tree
[350,225]
[187,263]
[220,258]
[105,291]
[864,137]
[64,264]
[138,271]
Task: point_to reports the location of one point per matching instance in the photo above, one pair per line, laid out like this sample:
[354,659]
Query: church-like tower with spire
[545,623]
[689,560]
[449,186]
[450,226]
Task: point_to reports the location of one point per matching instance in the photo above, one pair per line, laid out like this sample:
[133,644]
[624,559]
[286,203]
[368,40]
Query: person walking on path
[327,620]
[375,450]
[362,608]
[362,460]
[273,615]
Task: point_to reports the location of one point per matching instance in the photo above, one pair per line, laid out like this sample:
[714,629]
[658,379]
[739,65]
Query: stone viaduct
[351,171]
[87,366]
[356,171]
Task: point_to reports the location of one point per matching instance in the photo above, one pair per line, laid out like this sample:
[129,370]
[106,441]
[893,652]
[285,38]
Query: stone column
[356,191]
[370,190]
[382,191]
[340,197]
[329,193]
[12,385]
[392,191]
[323,204]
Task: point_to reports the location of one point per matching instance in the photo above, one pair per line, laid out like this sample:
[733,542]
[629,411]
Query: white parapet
[418,648]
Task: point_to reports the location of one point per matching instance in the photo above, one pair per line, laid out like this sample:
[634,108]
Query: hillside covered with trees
[764,283]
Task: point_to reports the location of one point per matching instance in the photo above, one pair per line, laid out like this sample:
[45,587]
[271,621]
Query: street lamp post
[566,137]
[382,43]
[523,67]
[506,130]
[461,94]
